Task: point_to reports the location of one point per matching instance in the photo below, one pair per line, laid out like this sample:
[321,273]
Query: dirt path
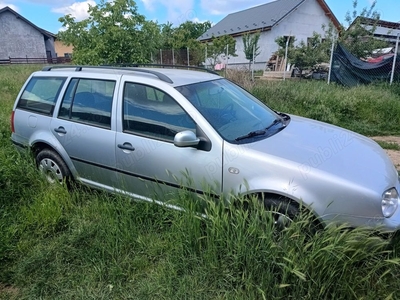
[394,154]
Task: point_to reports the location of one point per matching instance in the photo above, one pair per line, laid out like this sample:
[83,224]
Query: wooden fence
[35,60]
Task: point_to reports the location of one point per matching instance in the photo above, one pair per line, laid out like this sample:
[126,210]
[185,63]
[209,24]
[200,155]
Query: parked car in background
[148,132]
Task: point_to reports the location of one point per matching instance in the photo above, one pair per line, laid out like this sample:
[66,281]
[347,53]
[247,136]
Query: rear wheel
[51,165]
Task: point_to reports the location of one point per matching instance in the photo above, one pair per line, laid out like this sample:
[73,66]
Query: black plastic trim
[174,185]
[159,75]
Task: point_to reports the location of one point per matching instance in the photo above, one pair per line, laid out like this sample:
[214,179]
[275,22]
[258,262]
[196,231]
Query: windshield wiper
[276,121]
[258,132]
[251,134]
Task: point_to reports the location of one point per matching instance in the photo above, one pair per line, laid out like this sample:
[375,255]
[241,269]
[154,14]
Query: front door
[151,167]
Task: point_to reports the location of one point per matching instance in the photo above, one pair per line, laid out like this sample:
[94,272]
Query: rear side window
[40,94]
[88,101]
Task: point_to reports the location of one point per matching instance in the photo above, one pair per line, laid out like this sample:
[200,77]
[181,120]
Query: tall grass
[86,244]
[109,247]
[369,110]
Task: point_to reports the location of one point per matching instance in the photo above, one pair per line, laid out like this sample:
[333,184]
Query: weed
[59,244]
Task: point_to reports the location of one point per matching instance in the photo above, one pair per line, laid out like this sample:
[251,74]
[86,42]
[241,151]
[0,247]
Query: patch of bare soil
[8,292]
[393,154]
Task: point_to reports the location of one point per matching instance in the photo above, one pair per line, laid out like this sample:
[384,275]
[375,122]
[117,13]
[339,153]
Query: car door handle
[60,130]
[126,146]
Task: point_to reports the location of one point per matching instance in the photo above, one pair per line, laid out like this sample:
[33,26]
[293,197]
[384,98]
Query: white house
[295,18]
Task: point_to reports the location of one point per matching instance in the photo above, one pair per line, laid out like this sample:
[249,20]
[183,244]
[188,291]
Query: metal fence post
[331,61]
[286,54]
[227,51]
[252,69]
[394,59]
[173,57]
[188,55]
[161,56]
[205,58]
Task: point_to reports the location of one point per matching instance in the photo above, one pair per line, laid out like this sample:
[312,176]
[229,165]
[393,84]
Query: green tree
[251,49]
[219,46]
[114,32]
[167,36]
[185,36]
[152,36]
[316,51]
[306,55]
[283,42]
[190,30]
[358,38]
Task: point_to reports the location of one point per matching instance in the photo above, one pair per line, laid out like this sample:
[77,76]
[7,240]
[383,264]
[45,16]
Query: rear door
[85,128]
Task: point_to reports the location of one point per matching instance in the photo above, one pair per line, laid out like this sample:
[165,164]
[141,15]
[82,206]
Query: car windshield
[232,111]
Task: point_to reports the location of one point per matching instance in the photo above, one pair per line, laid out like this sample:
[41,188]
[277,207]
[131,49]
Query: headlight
[390,201]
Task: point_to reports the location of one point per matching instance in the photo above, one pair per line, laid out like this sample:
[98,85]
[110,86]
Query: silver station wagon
[147,132]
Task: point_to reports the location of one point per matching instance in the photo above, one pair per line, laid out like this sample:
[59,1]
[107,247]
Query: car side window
[151,112]
[40,94]
[88,101]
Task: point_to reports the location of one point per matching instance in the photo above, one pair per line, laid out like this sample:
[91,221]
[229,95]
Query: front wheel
[283,211]
[51,165]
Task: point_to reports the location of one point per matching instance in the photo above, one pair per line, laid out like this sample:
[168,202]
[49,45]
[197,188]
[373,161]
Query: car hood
[316,148]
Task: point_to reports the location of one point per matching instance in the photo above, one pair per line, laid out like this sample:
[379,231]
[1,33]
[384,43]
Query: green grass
[389,145]
[86,244]
[369,110]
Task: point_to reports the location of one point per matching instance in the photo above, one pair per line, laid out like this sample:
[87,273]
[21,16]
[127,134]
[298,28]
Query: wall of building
[387,34]
[301,23]
[49,44]
[19,39]
[61,48]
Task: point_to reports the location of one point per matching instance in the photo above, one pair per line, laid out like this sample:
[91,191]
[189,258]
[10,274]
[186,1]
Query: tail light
[12,122]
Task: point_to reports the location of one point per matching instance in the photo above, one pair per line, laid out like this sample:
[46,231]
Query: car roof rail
[159,75]
[171,67]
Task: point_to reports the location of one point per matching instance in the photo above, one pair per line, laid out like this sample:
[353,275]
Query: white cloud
[52,3]
[79,10]
[176,11]
[197,20]
[225,7]
[149,4]
[12,6]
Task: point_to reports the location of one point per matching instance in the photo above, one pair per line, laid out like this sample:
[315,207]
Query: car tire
[283,210]
[51,165]
[286,211]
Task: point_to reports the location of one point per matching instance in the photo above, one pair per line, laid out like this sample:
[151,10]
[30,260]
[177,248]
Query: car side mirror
[186,138]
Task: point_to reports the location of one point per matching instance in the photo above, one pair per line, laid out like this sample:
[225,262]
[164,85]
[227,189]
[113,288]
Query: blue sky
[45,13]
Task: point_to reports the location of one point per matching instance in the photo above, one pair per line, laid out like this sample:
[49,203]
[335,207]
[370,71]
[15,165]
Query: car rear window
[40,94]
